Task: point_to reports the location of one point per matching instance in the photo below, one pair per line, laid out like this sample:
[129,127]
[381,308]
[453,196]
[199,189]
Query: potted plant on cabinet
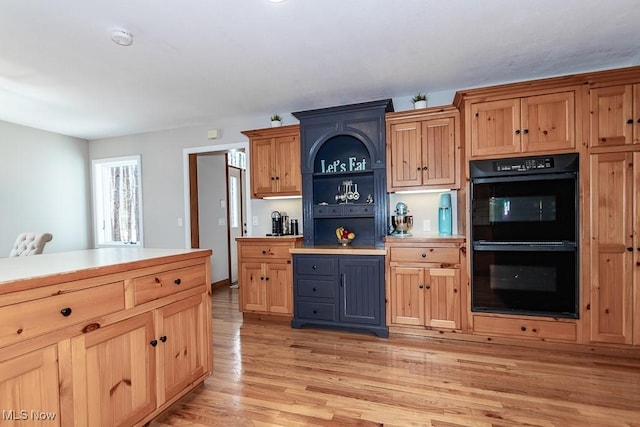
[276,121]
[419,101]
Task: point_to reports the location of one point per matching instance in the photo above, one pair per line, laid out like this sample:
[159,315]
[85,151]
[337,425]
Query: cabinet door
[253,283]
[114,373]
[443,303]
[405,155]
[548,122]
[182,354]
[407,296]
[279,288]
[612,191]
[288,176]
[495,127]
[262,167]
[29,389]
[612,120]
[361,283]
[438,152]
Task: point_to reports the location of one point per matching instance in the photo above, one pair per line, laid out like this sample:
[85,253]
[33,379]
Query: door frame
[220,148]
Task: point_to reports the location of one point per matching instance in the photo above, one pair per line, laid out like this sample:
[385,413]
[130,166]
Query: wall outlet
[221,221]
[179,222]
[255,220]
[426,225]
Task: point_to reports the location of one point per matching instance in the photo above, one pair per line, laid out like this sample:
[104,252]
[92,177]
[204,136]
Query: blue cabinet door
[362,289]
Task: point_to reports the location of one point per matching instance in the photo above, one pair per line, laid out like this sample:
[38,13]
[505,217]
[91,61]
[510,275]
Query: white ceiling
[196,60]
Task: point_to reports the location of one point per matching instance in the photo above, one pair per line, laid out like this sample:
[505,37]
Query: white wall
[44,186]
[212,217]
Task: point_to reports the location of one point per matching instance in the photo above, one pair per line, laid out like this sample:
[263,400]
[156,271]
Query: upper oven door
[534,208]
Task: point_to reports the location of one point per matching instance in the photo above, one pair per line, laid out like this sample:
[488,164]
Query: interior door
[236,217]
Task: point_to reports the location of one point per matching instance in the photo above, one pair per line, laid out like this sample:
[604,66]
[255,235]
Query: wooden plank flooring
[268,374]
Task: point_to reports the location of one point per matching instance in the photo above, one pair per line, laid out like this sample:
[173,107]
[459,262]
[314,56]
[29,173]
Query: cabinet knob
[428,286]
[424,168]
[153,343]
[630,249]
[163,338]
[313,289]
[638,120]
[315,267]
[277,178]
[630,121]
[517,131]
[66,311]
[526,131]
[261,277]
[424,255]
[315,312]
[266,278]
[264,252]
[421,286]
[177,281]
[419,168]
[523,328]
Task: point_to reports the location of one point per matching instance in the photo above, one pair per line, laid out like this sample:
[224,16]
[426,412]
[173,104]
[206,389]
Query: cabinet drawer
[154,286]
[327,210]
[525,328]
[265,251]
[358,210]
[315,266]
[316,310]
[33,318]
[426,254]
[315,288]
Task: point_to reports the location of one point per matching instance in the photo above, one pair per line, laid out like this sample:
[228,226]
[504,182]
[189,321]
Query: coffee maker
[276,223]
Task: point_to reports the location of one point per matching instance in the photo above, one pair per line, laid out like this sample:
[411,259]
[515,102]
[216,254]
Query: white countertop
[34,266]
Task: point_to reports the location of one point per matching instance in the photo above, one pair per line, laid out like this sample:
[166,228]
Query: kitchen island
[107,336]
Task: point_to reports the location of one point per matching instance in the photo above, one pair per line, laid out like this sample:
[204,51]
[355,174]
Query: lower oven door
[525,279]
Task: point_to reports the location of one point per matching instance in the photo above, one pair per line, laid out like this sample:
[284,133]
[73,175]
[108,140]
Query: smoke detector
[122,38]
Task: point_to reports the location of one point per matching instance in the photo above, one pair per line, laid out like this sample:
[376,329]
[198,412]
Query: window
[117,201]
[234,212]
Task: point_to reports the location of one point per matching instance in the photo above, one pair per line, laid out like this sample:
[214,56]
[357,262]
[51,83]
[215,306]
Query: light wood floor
[268,374]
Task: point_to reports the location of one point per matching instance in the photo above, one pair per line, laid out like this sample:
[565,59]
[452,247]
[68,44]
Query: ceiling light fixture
[276,1]
[122,38]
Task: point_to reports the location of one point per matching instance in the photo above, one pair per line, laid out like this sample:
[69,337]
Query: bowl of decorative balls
[344,236]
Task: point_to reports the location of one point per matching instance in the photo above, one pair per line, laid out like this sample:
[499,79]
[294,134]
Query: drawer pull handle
[523,328]
[314,289]
[163,338]
[153,343]
[424,255]
[66,312]
[315,312]
[315,267]
[177,281]
[264,252]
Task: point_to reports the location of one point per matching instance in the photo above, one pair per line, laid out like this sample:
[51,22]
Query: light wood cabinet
[115,336]
[266,274]
[29,390]
[275,161]
[615,115]
[614,304]
[425,288]
[423,149]
[525,125]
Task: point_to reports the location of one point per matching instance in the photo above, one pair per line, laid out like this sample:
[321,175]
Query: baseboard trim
[220,284]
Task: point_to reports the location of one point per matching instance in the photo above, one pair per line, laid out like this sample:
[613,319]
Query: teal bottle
[444,214]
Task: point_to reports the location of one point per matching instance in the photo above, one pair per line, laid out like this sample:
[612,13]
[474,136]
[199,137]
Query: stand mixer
[401,222]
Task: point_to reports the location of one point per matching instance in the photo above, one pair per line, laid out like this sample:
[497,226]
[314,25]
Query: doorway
[216,205]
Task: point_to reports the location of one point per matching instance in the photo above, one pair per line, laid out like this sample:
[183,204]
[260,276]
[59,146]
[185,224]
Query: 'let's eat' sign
[352,164]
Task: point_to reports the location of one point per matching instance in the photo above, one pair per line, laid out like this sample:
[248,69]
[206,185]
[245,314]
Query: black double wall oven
[524,233]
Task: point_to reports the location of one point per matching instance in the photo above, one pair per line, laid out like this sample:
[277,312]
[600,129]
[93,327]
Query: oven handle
[564,246]
[524,177]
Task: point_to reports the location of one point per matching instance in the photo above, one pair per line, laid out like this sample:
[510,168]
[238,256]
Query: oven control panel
[520,165]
